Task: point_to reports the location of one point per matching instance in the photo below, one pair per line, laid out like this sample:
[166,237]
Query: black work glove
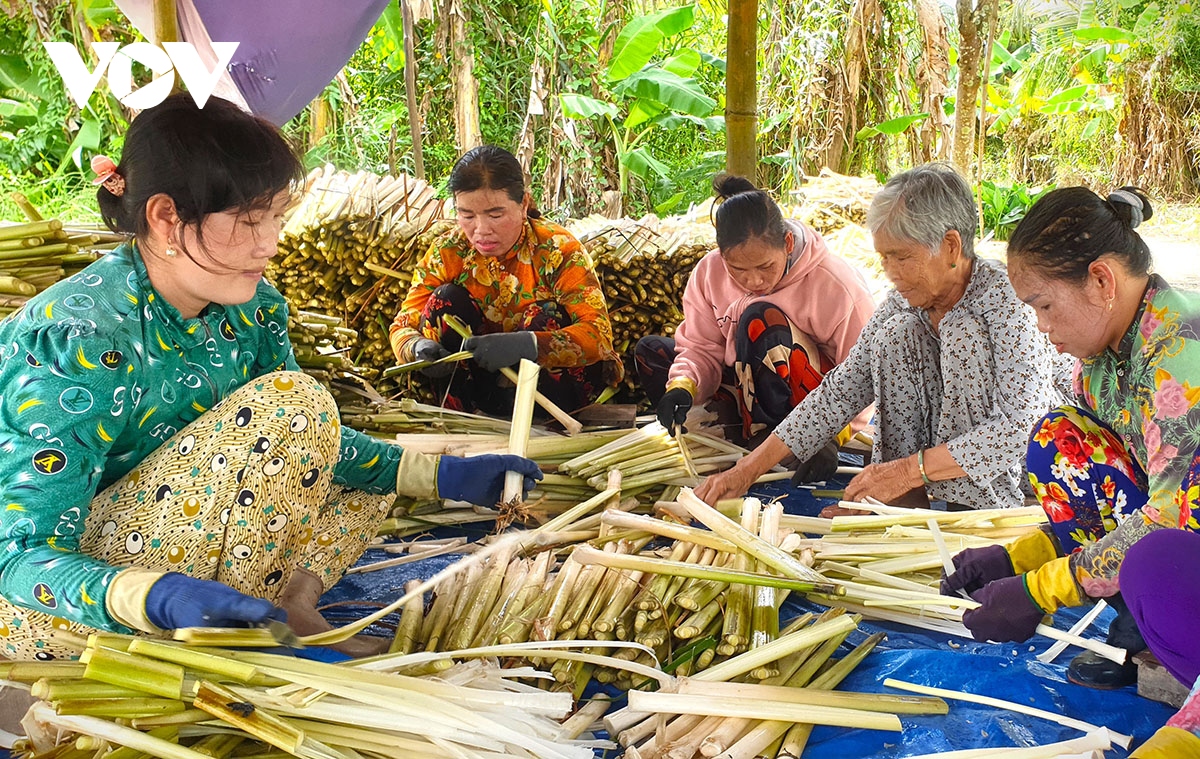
[432,350]
[819,468]
[673,408]
[496,351]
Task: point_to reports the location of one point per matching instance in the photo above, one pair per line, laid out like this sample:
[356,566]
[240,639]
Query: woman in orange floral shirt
[525,286]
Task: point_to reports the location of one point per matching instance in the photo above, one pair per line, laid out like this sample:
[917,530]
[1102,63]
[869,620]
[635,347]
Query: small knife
[283,634]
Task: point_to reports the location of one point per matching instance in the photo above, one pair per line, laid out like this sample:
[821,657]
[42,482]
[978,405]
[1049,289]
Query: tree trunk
[846,92]
[410,88]
[741,92]
[973,22]
[933,77]
[320,120]
[166,22]
[466,89]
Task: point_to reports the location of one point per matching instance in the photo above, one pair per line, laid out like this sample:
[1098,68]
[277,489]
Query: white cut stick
[1120,739]
[1084,622]
[947,560]
[518,435]
[1083,746]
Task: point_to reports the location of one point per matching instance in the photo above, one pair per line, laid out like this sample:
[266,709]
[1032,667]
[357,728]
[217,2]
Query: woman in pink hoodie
[766,315]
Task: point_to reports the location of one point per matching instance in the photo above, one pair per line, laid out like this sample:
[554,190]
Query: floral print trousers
[243,495]
[1086,479]
[473,389]
[777,366]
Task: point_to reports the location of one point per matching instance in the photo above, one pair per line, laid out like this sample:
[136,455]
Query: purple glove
[976,567]
[176,600]
[1008,612]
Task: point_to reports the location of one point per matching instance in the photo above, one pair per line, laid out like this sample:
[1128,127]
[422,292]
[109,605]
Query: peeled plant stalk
[518,436]
[1118,738]
[673,703]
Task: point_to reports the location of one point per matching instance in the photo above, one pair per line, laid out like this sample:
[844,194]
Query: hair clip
[107,175]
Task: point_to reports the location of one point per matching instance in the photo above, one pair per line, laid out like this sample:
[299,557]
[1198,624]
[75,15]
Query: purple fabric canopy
[288,50]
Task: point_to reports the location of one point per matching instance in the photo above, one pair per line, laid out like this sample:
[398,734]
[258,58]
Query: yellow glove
[1053,585]
[1031,551]
[416,475]
[1169,743]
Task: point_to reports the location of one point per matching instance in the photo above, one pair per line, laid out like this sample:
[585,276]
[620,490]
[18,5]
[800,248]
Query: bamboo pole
[741,89]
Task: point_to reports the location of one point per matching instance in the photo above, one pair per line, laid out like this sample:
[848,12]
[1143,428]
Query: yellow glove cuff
[1169,743]
[416,475]
[687,383]
[1053,585]
[1031,551]
[125,599]
[844,436]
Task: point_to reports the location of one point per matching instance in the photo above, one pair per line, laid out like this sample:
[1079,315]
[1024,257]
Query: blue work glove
[431,350]
[673,409]
[480,479]
[975,568]
[1008,613]
[176,600]
[496,351]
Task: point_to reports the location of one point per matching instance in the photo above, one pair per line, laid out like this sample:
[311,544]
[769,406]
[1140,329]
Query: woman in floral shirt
[1124,462]
[524,286]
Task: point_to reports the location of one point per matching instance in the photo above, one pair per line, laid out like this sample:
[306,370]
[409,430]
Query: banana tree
[652,86]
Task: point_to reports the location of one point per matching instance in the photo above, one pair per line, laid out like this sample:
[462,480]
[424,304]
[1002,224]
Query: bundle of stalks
[603,582]
[348,249]
[40,252]
[643,275]
[324,347]
[131,697]
[889,564]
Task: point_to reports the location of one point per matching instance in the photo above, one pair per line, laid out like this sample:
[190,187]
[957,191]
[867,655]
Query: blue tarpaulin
[1010,672]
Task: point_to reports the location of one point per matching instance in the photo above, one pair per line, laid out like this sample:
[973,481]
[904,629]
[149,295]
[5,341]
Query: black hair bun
[1131,205]
[727,185]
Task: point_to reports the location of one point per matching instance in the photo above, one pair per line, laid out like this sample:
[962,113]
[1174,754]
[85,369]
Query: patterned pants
[776,366]
[243,495]
[1086,479]
[473,389]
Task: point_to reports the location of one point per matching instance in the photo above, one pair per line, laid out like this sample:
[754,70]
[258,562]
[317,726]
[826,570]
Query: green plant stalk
[531,602]
[663,528]
[32,671]
[411,618]
[218,746]
[435,622]
[220,665]
[58,690]
[514,579]
[169,733]
[126,708]
[481,602]
[546,626]
[654,594]
[796,737]
[619,602]
[587,555]
[139,673]
[586,587]
[464,590]
[698,621]
[749,542]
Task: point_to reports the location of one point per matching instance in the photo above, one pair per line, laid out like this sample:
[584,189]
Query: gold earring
[170,253]
[1110,300]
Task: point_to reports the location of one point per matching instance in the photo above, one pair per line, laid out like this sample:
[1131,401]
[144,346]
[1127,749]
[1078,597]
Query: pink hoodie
[822,295]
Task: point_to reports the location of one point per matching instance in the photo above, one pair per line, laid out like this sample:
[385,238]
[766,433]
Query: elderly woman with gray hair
[952,360]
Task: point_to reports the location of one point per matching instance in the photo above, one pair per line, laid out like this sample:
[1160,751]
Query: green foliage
[46,142]
[1005,205]
[655,97]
